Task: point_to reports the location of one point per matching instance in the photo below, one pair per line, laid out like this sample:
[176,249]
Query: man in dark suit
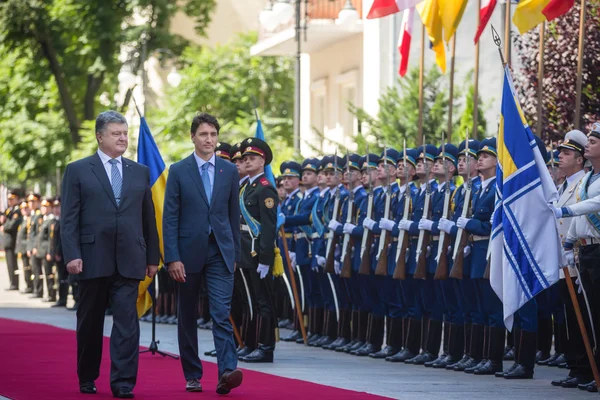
[201,232]
[110,241]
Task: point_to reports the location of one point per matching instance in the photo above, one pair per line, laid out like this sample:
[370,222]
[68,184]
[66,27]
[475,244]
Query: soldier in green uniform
[258,206]
[10,226]
[36,262]
[22,240]
[43,249]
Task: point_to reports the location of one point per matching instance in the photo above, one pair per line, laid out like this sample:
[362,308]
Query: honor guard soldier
[10,226]
[460,346]
[235,154]
[222,150]
[43,249]
[22,241]
[57,257]
[36,262]
[258,205]
[300,224]
[582,249]
[290,174]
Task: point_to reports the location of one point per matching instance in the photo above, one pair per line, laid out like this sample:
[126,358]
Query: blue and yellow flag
[260,134]
[525,248]
[149,156]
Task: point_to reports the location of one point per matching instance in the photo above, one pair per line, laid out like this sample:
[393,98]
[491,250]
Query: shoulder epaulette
[264,181]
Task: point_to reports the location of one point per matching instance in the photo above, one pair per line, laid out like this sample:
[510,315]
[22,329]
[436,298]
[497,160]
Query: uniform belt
[289,235]
[477,238]
[376,236]
[394,239]
[434,238]
[315,235]
[589,242]
[298,236]
[246,228]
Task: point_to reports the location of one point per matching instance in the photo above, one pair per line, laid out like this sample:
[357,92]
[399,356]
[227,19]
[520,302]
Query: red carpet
[39,362]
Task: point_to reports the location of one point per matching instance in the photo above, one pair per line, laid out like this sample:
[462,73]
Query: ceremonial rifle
[461,236]
[348,242]
[400,270]
[333,239]
[424,234]
[441,271]
[367,238]
[385,238]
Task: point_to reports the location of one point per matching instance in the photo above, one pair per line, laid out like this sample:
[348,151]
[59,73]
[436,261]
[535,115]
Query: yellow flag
[429,10]
[451,12]
[528,14]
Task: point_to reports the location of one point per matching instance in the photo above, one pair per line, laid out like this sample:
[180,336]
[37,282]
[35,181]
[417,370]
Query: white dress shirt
[108,166]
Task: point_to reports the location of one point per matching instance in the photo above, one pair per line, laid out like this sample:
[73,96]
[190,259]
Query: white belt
[301,235]
[246,228]
[477,238]
[590,241]
[315,235]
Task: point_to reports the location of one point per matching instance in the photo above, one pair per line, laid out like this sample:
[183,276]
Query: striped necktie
[116,180]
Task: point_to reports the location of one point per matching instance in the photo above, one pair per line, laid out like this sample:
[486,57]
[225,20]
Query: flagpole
[540,93]
[451,101]
[476,83]
[507,32]
[582,16]
[421,74]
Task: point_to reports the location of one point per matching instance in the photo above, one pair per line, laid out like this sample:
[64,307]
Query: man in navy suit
[201,231]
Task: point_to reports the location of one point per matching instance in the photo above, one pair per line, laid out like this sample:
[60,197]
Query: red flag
[556,8]
[383,8]
[485,13]
[404,39]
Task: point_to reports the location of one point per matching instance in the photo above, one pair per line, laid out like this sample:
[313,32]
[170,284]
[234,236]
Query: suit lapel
[218,180]
[195,174]
[100,172]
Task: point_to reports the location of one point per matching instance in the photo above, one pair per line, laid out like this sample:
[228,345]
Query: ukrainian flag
[260,134]
[526,251]
[149,156]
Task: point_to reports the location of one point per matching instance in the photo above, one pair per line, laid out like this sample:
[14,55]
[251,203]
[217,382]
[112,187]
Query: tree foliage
[560,72]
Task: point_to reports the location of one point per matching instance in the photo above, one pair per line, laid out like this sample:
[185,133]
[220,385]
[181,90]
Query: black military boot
[331,329]
[485,352]
[476,348]
[393,341]
[441,359]
[412,343]
[361,337]
[466,341]
[343,331]
[544,344]
[368,347]
[266,338]
[353,333]
[525,356]
[456,336]
[430,337]
[495,352]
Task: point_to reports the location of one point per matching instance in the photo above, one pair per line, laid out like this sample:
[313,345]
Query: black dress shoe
[201,321]
[355,346]
[590,387]
[59,304]
[421,359]
[387,351]
[347,346]
[244,352]
[263,354]
[559,382]
[283,323]
[292,337]
[470,370]
[445,362]
[429,364]
[208,353]
[339,342]
[402,356]
[557,361]
[519,372]
[461,366]
[87,387]
[27,291]
[365,350]
[172,320]
[11,288]
[462,360]
[509,355]
[545,361]
[572,382]
[489,368]
[325,341]
[123,393]
[312,342]
[501,374]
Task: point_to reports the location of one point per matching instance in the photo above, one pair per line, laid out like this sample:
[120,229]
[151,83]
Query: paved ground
[326,367]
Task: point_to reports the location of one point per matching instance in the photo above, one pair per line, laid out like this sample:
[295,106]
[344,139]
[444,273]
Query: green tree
[229,83]
[466,118]
[58,56]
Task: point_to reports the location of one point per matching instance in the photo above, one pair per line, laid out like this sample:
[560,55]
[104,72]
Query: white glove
[579,285]
[570,257]
[282,217]
[369,223]
[262,270]
[467,251]
[337,267]
[425,224]
[320,261]
[557,212]
[386,224]
[428,253]
[293,260]
[445,225]
[348,228]
[333,225]
[405,224]
[462,222]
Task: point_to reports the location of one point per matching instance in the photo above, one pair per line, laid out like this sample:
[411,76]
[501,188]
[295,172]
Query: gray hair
[108,117]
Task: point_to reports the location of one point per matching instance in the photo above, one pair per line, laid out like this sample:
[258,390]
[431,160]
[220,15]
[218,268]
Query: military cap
[12,195]
[488,146]
[352,161]
[46,203]
[574,140]
[389,156]
[372,159]
[223,150]
[23,205]
[56,202]
[311,164]
[411,157]
[290,168]
[429,152]
[279,181]
[34,197]
[474,146]
[235,153]
[450,153]
[554,160]
[595,130]
[331,162]
[258,147]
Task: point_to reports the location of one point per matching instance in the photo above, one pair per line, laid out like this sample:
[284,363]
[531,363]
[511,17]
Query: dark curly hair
[204,118]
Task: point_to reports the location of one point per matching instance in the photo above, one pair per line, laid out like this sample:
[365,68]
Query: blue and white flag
[526,251]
